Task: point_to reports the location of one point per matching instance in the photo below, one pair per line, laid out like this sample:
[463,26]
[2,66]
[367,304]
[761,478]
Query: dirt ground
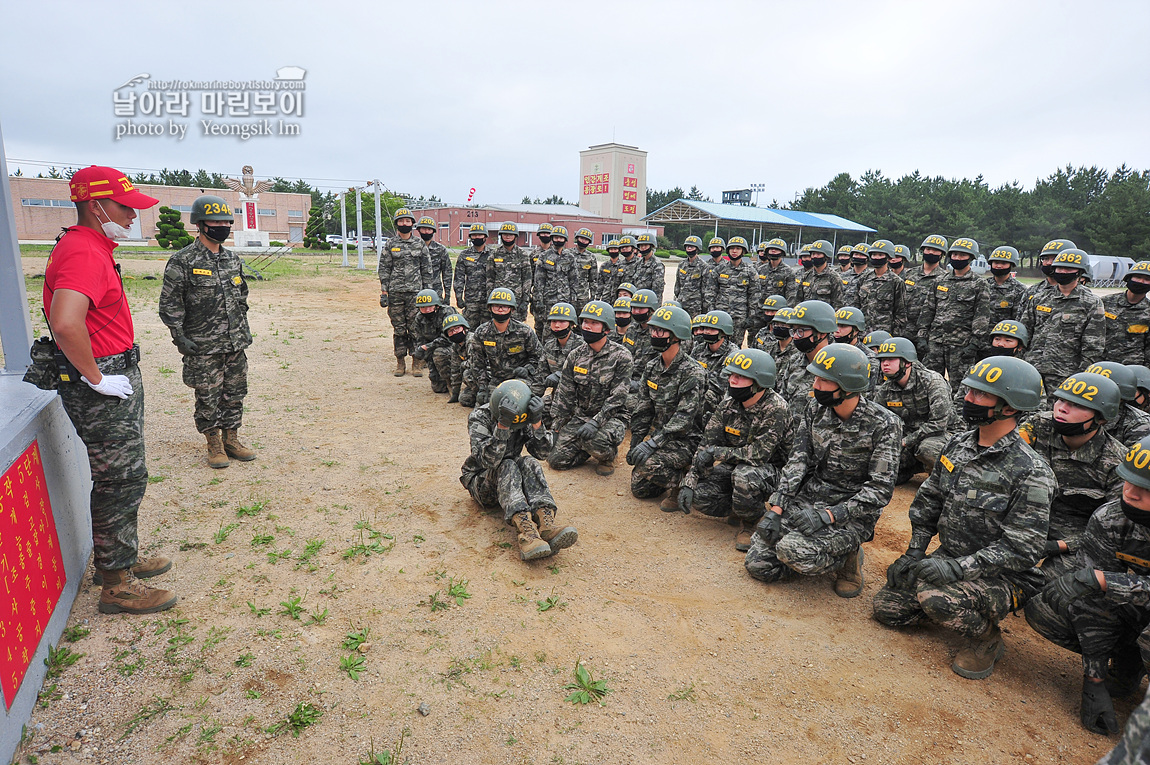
[703,663]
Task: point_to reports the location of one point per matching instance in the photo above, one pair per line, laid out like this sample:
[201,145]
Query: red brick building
[455,221]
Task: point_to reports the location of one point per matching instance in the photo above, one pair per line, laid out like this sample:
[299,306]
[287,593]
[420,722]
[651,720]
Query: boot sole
[218,467]
[241,459]
[971,675]
[535,554]
[115,608]
[564,539]
[98,578]
[604,470]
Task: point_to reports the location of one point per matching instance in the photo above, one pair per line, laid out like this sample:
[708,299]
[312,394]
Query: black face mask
[862,261]
[818,262]
[562,334]
[508,243]
[641,316]
[708,337]
[591,337]
[741,394]
[661,343]
[847,339]
[404,229]
[959,264]
[544,240]
[716,254]
[217,233]
[843,261]
[1138,288]
[782,332]
[807,344]
[734,258]
[1065,278]
[1047,269]
[1074,428]
[622,321]
[613,255]
[895,265]
[1000,270]
[691,253]
[558,244]
[931,257]
[1134,514]
[580,246]
[877,262]
[977,415]
[829,398]
[458,337]
[426,237]
[478,243]
[1016,351]
[806,264]
[499,319]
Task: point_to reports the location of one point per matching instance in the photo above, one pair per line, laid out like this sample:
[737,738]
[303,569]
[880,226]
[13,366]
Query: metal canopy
[690,211]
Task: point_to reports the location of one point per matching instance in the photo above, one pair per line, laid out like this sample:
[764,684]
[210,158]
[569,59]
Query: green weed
[353,664]
[224,531]
[292,607]
[304,715]
[356,638]
[58,660]
[586,688]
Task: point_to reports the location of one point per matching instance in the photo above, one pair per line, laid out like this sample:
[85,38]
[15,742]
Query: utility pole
[378,224]
[359,225]
[343,226]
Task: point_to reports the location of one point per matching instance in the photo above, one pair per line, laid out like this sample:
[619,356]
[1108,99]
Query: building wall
[453,223]
[613,181]
[38,222]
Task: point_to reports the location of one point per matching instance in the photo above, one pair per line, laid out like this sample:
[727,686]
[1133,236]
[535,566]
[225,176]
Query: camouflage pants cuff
[969,607]
[762,563]
[666,467]
[570,451]
[115,508]
[522,486]
[897,607]
[818,553]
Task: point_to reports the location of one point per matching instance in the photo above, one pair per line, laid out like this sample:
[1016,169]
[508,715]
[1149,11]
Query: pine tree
[171,232]
[313,236]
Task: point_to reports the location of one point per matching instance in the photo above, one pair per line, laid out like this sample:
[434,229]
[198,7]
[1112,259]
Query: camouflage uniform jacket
[714,363]
[989,506]
[919,285]
[637,340]
[735,289]
[494,355]
[690,280]
[205,297]
[847,466]
[587,273]
[669,399]
[594,386]
[1086,477]
[924,405]
[630,268]
[1109,533]
[458,354]
[776,281]
[852,280]
[554,356]
[827,287]
[509,267]
[883,303]
[1127,329]
[1067,332]
[1131,425]
[490,445]
[650,275]
[471,276]
[555,279]
[1007,300]
[441,275]
[793,382]
[429,326]
[609,279]
[760,435]
[957,312]
[766,342]
[404,265]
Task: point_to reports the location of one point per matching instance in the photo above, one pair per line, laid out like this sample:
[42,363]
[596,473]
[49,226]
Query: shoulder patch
[652,386]
[733,431]
[909,282]
[1043,308]
[942,288]
[1109,315]
[202,271]
[946,463]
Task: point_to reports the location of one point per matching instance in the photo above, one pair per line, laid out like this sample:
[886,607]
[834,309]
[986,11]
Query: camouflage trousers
[517,485]
[113,431]
[969,608]
[571,451]
[221,382]
[913,459]
[441,363]
[738,490]
[663,470]
[1093,627]
[475,312]
[825,550]
[403,313]
[692,305]
[1131,749]
[952,360]
[1055,566]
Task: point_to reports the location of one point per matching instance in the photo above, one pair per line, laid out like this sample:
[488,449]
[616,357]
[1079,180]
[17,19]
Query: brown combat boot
[531,545]
[976,661]
[234,449]
[400,365]
[670,503]
[849,578]
[144,569]
[743,538]
[558,537]
[216,456]
[604,468]
[417,367]
[125,594]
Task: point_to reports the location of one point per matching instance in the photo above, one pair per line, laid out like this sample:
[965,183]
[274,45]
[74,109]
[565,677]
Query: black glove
[551,380]
[898,574]
[686,499]
[1070,587]
[641,452]
[534,410]
[634,386]
[383,300]
[521,373]
[1097,708]
[482,397]
[507,410]
[770,527]
[1052,548]
[704,458]
[184,345]
[587,430]
[807,520]
[420,352]
[938,571]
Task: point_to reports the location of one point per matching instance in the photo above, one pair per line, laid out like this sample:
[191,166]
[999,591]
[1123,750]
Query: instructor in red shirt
[102,392]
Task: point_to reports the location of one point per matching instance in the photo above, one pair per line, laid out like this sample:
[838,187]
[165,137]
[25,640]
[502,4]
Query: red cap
[97,182]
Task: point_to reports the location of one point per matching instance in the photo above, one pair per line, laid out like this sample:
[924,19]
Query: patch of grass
[258,612]
[166,370]
[353,664]
[586,688]
[686,693]
[186,545]
[317,616]
[436,604]
[292,607]
[76,633]
[48,694]
[245,660]
[222,534]
[457,589]
[303,716]
[216,635]
[356,638]
[550,602]
[246,511]
[208,732]
[123,666]
[262,540]
[58,660]
[157,707]
[387,756]
[369,542]
[310,550]
[156,479]
[274,557]
[252,693]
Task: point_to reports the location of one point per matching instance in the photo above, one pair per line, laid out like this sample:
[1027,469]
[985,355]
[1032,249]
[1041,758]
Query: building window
[445,225]
[607,238]
[272,213]
[181,208]
[463,229]
[47,203]
[294,213]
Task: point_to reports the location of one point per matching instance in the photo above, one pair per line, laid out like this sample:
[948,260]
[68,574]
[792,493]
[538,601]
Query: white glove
[111,385]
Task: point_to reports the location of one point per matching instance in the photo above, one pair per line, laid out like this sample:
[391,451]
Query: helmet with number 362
[1013,380]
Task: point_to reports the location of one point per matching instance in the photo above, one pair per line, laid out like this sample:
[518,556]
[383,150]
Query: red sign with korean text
[628,209]
[250,216]
[599,183]
[630,183]
[31,567]
[631,195]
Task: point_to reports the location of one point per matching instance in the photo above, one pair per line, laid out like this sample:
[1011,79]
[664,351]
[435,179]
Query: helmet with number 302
[753,363]
[845,365]
[598,310]
[1014,381]
[1093,391]
[1136,467]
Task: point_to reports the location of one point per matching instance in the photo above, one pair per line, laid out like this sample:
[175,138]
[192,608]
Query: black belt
[118,361]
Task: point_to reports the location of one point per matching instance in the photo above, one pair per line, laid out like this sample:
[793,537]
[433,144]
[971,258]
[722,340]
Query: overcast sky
[440,97]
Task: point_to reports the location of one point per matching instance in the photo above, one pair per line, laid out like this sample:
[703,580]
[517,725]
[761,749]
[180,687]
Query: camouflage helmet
[210,207]
[674,320]
[477,228]
[844,365]
[545,229]
[646,299]
[562,312]
[622,305]
[963,246]
[737,241]
[1011,328]
[558,231]
[1135,468]
[509,227]
[502,296]
[1141,376]
[1072,258]
[774,302]
[1141,268]
[1092,391]
[1122,375]
[1055,246]
[716,241]
[815,314]
[426,222]
[902,251]
[777,244]
[626,241]
[646,239]
[1013,381]
[598,310]
[753,363]
[509,404]
[896,348]
[861,247]
[628,287]
[876,338]
[612,244]
[822,247]
[455,320]
[849,316]
[427,298]
[585,233]
[934,241]
[883,247]
[1005,253]
[693,241]
[402,212]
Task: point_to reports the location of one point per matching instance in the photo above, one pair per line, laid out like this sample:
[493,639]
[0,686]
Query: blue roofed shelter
[759,219]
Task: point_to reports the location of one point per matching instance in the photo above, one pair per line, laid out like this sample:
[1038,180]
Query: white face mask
[112,230]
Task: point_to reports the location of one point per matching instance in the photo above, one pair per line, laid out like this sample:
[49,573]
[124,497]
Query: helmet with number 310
[1013,380]
[1136,467]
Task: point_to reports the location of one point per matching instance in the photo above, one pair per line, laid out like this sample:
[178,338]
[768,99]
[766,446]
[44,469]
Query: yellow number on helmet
[800,313]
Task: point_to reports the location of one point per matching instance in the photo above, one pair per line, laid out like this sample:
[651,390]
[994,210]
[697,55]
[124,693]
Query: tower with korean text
[613,182]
